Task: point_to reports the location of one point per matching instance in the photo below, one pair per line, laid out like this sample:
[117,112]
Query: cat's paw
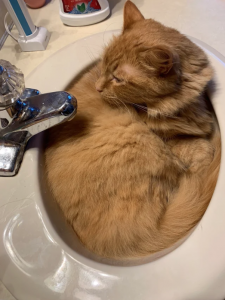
[202,157]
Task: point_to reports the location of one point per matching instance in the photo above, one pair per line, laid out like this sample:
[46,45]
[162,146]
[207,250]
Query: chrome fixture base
[24,113]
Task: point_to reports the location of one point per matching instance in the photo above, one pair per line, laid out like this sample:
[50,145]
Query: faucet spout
[24,113]
[29,117]
[38,113]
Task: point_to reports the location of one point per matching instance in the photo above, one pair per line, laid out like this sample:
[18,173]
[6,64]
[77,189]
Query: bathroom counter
[202,19]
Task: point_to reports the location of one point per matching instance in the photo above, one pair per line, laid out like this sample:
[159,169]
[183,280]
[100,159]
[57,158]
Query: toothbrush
[31,38]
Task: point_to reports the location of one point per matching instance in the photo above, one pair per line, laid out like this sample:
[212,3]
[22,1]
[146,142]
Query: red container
[80,5]
[68,5]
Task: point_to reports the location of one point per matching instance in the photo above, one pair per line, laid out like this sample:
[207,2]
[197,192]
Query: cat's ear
[131,14]
[162,58]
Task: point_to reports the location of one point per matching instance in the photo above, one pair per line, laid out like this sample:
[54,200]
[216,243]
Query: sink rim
[117,275]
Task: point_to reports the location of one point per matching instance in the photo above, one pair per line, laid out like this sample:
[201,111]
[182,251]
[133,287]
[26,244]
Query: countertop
[202,19]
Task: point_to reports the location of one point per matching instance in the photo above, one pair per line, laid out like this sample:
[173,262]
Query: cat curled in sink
[135,169]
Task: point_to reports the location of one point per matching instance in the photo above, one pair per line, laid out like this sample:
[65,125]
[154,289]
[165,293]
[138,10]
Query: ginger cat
[135,169]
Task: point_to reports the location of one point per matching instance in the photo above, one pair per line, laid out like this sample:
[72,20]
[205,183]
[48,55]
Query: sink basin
[40,257]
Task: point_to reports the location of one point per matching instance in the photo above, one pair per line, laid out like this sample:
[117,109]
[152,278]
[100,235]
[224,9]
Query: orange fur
[134,171]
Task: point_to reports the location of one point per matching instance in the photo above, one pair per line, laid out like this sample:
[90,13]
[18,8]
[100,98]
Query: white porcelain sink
[39,259]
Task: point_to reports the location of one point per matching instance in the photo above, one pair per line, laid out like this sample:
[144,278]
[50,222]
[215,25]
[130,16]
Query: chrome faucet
[25,112]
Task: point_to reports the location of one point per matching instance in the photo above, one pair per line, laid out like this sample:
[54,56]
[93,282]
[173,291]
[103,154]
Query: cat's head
[147,62]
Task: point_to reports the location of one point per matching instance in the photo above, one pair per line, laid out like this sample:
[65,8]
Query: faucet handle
[11,84]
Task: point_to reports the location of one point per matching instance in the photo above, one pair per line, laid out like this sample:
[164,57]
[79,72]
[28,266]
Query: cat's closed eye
[116,79]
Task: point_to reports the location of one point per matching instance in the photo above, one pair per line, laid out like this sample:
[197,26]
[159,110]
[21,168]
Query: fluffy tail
[189,205]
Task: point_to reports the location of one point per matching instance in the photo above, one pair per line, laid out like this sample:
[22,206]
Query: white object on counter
[85,19]
[37,42]
[31,38]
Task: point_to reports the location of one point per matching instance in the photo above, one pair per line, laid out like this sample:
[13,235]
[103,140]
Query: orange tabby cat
[135,170]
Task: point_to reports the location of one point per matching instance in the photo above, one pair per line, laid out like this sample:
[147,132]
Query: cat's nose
[99,88]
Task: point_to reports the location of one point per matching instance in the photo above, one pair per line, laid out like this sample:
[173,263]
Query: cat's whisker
[146,109]
[97,71]
[141,107]
[106,30]
[160,113]
[91,54]
[125,106]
